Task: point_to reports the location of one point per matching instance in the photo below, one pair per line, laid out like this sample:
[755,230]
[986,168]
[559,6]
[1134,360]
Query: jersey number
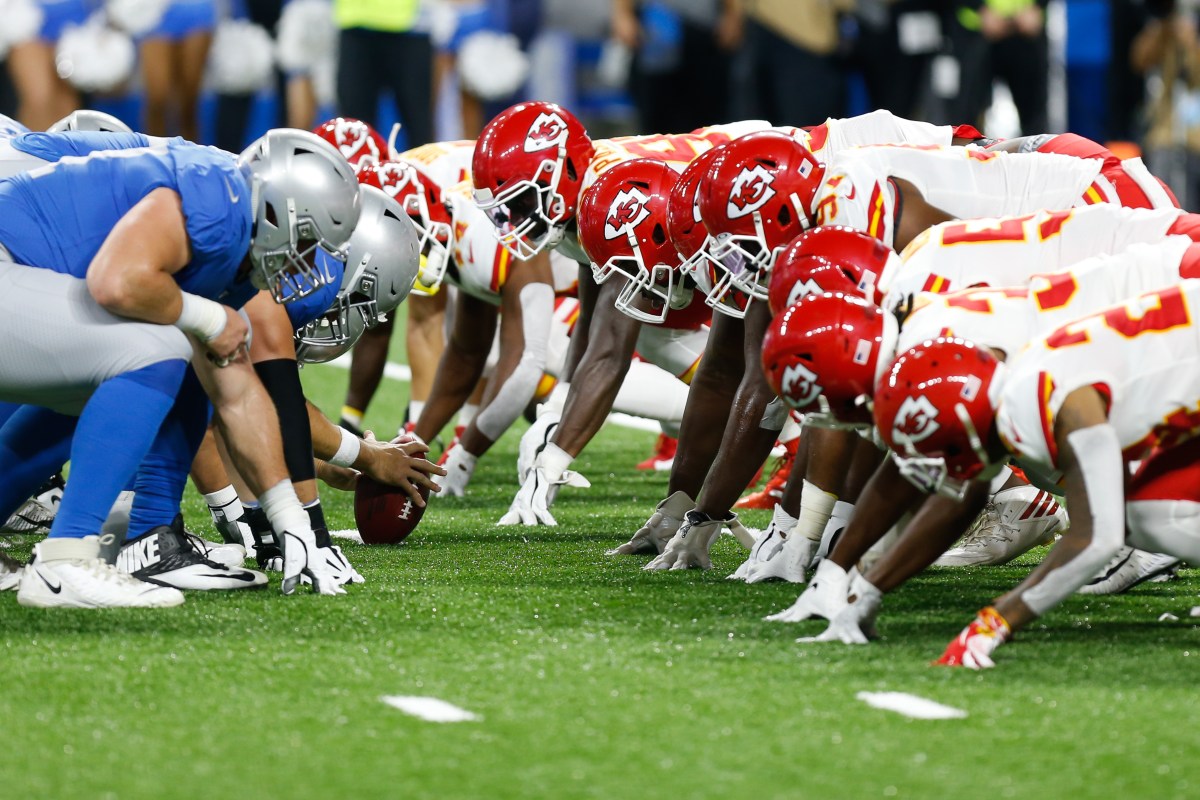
[1154,312]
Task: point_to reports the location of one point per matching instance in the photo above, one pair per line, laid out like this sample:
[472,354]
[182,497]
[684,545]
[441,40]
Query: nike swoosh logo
[244,577]
[232,195]
[51,586]
[850,195]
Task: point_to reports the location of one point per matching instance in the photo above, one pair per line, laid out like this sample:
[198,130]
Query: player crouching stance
[1082,402]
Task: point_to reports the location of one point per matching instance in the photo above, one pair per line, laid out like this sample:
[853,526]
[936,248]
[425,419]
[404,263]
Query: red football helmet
[691,238]
[623,228]
[421,199]
[755,199]
[528,171]
[356,140]
[936,409]
[823,355]
[831,258]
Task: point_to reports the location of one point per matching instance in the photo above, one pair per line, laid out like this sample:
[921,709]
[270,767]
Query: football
[385,514]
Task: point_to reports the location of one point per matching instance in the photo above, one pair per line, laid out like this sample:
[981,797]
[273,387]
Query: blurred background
[1122,72]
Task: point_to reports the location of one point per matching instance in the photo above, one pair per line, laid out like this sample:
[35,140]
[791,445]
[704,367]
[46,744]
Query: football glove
[855,623]
[824,597]
[688,548]
[459,466]
[973,647]
[302,557]
[534,441]
[532,504]
[658,530]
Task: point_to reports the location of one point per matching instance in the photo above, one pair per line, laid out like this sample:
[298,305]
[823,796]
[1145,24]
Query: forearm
[744,447]
[593,391]
[935,526]
[830,454]
[581,333]
[457,374]
[883,502]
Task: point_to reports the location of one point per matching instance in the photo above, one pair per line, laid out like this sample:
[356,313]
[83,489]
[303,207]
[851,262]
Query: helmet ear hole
[785,215]
[270,215]
[571,172]
[658,235]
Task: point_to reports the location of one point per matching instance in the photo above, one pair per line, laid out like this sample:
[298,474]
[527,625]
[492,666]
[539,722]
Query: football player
[128,276]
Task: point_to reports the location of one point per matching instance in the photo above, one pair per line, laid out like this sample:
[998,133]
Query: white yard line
[351,534]
[910,705]
[429,709]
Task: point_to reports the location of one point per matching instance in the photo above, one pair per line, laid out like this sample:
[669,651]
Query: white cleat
[10,573]
[688,548]
[74,576]
[768,547]
[38,512]
[658,530]
[1127,569]
[228,555]
[165,556]
[824,598]
[1014,521]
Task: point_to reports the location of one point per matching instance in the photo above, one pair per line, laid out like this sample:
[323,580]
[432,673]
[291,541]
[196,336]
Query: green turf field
[592,678]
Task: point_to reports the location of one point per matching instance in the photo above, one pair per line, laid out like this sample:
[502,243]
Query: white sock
[224,504]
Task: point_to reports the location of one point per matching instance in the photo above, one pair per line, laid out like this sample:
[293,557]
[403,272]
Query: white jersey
[878,127]
[964,182]
[481,263]
[1008,318]
[1006,251]
[445,163]
[1142,355]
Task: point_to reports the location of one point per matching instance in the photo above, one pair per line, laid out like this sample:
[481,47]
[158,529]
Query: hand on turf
[339,566]
[459,466]
[532,504]
[302,557]
[658,530]
[973,647]
[535,440]
[824,597]
[855,623]
[226,345]
[688,548]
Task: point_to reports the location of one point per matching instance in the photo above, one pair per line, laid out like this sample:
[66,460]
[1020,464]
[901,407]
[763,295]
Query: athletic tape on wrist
[816,507]
[201,317]
[348,451]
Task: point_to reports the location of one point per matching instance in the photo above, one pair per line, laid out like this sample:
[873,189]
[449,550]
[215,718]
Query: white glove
[824,597]
[746,536]
[770,548]
[534,441]
[658,530]
[854,624]
[459,466]
[337,562]
[236,531]
[532,504]
[301,556]
[688,548]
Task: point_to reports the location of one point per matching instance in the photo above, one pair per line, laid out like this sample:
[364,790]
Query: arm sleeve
[537,307]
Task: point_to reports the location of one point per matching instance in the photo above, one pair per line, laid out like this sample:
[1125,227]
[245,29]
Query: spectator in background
[682,49]
[1167,48]
[788,69]
[894,44]
[381,49]
[43,97]
[174,55]
[1003,39]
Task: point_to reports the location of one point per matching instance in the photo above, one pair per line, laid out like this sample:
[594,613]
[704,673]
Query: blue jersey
[56,217]
[311,308]
[53,146]
[9,127]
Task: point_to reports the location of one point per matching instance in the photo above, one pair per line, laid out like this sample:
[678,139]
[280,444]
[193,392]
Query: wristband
[348,450]
[201,317]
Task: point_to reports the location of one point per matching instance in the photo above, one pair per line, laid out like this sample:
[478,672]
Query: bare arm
[461,364]
[598,377]
[589,291]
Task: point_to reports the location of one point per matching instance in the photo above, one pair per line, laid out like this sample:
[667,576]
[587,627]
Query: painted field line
[351,534]
[401,372]
[910,705]
[429,709]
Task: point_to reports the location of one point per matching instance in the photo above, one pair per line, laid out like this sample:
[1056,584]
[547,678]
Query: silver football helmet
[305,196]
[381,267]
[87,120]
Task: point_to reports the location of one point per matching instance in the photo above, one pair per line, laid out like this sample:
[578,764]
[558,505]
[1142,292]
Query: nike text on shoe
[69,573]
[165,557]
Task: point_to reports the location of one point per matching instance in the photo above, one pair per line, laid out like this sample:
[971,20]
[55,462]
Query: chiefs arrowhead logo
[628,209]
[354,141]
[547,131]
[802,289]
[393,177]
[751,190]
[799,385]
[916,420]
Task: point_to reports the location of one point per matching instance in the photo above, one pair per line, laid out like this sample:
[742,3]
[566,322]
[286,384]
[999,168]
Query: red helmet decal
[799,384]
[628,209]
[393,176]
[354,139]
[548,130]
[751,190]
[916,420]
